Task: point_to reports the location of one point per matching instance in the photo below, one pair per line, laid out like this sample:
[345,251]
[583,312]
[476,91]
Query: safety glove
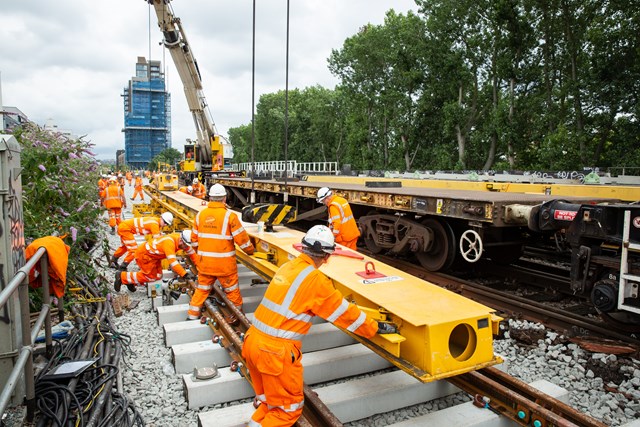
[189,276]
[386,328]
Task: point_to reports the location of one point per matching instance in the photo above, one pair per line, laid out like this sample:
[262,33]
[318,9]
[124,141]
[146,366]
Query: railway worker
[272,346]
[121,180]
[129,177]
[142,226]
[149,258]
[137,189]
[341,220]
[186,189]
[199,190]
[58,257]
[103,182]
[215,230]
[114,200]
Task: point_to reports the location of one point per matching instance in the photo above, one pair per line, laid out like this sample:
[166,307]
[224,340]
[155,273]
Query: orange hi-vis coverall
[341,221]
[129,228]
[215,230]
[102,185]
[114,201]
[149,258]
[137,189]
[272,346]
[199,190]
[58,256]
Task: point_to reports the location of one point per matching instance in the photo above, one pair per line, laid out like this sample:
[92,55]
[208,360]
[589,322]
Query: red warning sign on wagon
[561,215]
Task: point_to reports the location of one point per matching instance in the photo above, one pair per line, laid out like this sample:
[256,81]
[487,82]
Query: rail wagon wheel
[372,244]
[442,251]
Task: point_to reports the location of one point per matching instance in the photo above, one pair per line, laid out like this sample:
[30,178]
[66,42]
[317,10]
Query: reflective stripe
[357,323]
[335,217]
[231,288]
[284,310]
[215,236]
[173,264]
[172,256]
[292,408]
[129,241]
[342,308]
[218,254]
[194,308]
[246,245]
[344,219]
[278,333]
[262,398]
[204,287]
[238,231]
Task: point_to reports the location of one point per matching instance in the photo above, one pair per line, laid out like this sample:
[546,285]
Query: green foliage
[60,194]
[169,156]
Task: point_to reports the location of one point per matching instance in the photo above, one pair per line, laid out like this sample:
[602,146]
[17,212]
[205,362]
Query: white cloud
[70,60]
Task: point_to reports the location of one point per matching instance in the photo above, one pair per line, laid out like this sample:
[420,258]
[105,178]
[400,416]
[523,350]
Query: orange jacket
[58,256]
[166,247]
[199,190]
[184,190]
[215,230]
[102,184]
[138,183]
[341,220]
[300,291]
[141,226]
[113,197]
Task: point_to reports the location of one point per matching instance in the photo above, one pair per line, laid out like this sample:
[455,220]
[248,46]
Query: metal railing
[24,362]
[277,168]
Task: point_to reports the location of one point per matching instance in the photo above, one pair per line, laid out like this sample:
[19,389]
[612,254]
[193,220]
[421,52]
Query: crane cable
[253,103]
[286,116]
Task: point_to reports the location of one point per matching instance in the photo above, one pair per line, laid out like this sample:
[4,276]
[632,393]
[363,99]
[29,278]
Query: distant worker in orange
[341,220]
[186,189]
[121,180]
[149,258]
[114,201]
[142,226]
[272,346]
[137,189]
[215,230]
[199,190]
[58,257]
[129,177]
[103,182]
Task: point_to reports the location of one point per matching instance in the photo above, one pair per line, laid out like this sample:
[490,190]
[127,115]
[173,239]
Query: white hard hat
[189,189]
[185,236]
[217,190]
[319,239]
[323,193]
[195,180]
[167,217]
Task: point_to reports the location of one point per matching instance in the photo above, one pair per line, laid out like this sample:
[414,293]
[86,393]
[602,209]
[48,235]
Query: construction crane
[206,154]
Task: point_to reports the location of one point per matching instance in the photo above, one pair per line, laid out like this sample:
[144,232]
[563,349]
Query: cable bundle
[89,399]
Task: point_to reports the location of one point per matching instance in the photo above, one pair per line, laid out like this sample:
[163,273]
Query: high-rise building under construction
[147,114]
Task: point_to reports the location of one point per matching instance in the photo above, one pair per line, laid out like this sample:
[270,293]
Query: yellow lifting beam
[440,333]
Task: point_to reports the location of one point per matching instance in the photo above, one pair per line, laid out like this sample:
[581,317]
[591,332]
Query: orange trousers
[150,271]
[351,244]
[275,366]
[129,245]
[115,216]
[137,191]
[205,285]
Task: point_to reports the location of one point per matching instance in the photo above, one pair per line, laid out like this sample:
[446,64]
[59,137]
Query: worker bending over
[215,230]
[272,346]
[128,229]
[58,257]
[199,190]
[186,189]
[341,220]
[149,258]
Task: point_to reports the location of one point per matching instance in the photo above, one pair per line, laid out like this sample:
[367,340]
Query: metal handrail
[24,363]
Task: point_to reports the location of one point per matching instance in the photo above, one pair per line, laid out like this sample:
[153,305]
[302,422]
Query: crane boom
[209,153]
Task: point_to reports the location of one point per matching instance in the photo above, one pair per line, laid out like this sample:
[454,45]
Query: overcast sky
[69,60]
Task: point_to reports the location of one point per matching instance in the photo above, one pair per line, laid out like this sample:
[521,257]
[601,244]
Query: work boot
[132,198]
[113,263]
[131,287]
[113,231]
[117,284]
[123,266]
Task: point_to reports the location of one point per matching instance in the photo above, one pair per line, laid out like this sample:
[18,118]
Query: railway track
[361,384]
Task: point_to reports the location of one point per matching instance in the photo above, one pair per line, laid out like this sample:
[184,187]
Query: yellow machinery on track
[440,334]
